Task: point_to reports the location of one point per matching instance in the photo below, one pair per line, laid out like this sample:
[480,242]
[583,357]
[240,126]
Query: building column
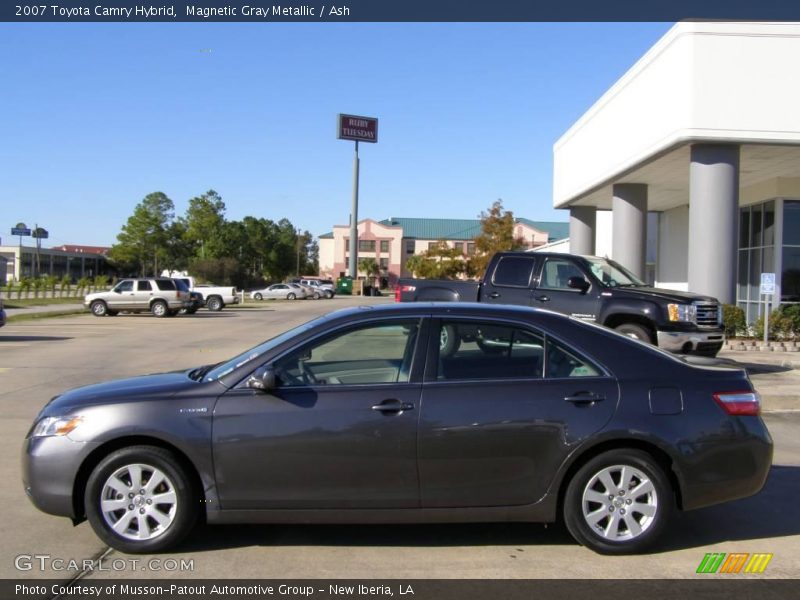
[713,220]
[629,234]
[582,225]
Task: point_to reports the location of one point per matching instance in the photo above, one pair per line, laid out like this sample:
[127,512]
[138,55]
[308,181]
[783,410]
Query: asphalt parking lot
[39,359]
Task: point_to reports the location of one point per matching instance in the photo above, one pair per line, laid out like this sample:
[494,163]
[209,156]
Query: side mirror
[578,283]
[116,291]
[263,380]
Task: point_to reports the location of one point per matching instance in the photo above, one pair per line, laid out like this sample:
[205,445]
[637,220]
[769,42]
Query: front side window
[488,350]
[513,271]
[124,286]
[612,274]
[557,272]
[370,354]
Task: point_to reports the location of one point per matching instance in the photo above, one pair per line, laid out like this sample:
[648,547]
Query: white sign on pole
[767,284]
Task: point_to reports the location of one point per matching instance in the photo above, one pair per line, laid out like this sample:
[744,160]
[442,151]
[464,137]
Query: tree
[497,235]
[205,219]
[440,261]
[370,267]
[143,237]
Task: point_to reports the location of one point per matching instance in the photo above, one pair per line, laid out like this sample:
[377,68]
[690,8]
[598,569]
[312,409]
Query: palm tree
[369,266]
[66,284]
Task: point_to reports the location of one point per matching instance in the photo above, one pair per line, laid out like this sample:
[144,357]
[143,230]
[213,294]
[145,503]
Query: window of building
[432,245]
[366,245]
[371,354]
[384,245]
[471,248]
[410,246]
[384,264]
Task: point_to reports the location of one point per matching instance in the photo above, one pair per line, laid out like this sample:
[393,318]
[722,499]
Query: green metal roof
[460,229]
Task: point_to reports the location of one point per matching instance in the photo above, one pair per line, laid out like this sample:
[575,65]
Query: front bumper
[688,341]
[49,468]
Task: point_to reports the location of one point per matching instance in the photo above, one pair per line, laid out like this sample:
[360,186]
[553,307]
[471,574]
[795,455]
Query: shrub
[733,320]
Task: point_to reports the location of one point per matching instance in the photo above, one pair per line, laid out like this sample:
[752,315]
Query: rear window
[165,284]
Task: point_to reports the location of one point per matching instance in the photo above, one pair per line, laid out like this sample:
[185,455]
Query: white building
[703,131]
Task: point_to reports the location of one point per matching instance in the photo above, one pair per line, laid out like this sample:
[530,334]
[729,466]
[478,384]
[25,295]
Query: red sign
[359,129]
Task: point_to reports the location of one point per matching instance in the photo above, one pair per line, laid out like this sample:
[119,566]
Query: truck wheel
[99,308]
[214,303]
[635,331]
[159,308]
[449,342]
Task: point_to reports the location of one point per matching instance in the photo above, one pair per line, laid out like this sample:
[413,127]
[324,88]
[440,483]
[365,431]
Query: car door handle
[542,298]
[584,398]
[494,295]
[393,406]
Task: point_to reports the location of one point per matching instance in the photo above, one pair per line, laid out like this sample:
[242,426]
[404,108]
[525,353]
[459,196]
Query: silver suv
[159,295]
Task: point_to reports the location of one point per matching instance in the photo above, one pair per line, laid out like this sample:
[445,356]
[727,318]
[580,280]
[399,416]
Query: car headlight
[48,426]
[682,312]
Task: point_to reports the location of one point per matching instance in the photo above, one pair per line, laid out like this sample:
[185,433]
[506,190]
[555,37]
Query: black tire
[329,294]
[182,513]
[449,341]
[99,308]
[644,474]
[191,311]
[635,331]
[291,296]
[174,312]
[112,313]
[258,297]
[316,296]
[214,303]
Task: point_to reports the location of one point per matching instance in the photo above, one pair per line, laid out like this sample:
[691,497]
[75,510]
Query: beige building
[75,261]
[392,241]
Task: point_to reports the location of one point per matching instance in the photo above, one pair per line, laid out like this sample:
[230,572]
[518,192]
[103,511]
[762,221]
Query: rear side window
[143,286]
[513,271]
[165,284]
[487,350]
[563,362]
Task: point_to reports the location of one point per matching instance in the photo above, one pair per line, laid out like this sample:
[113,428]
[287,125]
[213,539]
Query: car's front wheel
[635,331]
[290,296]
[99,308]
[139,499]
[258,297]
[618,503]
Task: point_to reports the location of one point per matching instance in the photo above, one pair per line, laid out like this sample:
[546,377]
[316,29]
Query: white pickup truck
[215,297]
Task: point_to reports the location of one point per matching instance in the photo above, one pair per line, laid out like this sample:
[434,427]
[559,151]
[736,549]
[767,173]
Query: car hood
[147,387]
[646,293]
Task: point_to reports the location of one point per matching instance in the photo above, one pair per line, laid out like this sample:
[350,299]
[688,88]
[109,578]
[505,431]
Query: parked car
[214,297]
[195,298]
[159,295]
[590,288]
[278,291]
[395,414]
[2,314]
[325,286]
[310,291]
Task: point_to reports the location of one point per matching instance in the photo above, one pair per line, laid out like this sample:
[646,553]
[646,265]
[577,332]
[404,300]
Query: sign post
[39,234]
[357,129]
[767,289]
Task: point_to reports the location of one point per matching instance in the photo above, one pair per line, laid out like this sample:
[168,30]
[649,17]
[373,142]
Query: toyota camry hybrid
[407,413]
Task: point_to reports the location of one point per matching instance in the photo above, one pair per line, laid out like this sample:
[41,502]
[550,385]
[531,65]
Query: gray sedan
[283,291]
[407,413]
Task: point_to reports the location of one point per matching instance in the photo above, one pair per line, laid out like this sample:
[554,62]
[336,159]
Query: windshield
[612,274]
[245,357]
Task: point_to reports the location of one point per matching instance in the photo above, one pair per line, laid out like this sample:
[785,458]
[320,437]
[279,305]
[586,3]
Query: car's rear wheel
[315,296]
[329,294]
[258,296]
[159,308]
[635,331]
[139,499]
[291,296]
[214,303]
[99,308]
[619,502]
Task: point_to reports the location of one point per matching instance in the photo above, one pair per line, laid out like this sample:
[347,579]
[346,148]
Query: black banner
[718,588]
[260,11]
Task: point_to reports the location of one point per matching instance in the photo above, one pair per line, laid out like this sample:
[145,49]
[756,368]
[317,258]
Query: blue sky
[95,116]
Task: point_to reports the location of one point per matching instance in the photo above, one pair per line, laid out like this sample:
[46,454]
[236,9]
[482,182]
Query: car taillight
[398,291]
[743,403]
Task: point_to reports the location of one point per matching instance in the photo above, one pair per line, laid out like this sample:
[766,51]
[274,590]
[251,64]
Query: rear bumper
[688,341]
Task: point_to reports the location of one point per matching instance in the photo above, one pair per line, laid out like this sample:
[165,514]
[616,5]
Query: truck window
[556,273]
[513,271]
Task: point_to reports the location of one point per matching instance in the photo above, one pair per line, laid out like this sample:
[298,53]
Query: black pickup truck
[590,288]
